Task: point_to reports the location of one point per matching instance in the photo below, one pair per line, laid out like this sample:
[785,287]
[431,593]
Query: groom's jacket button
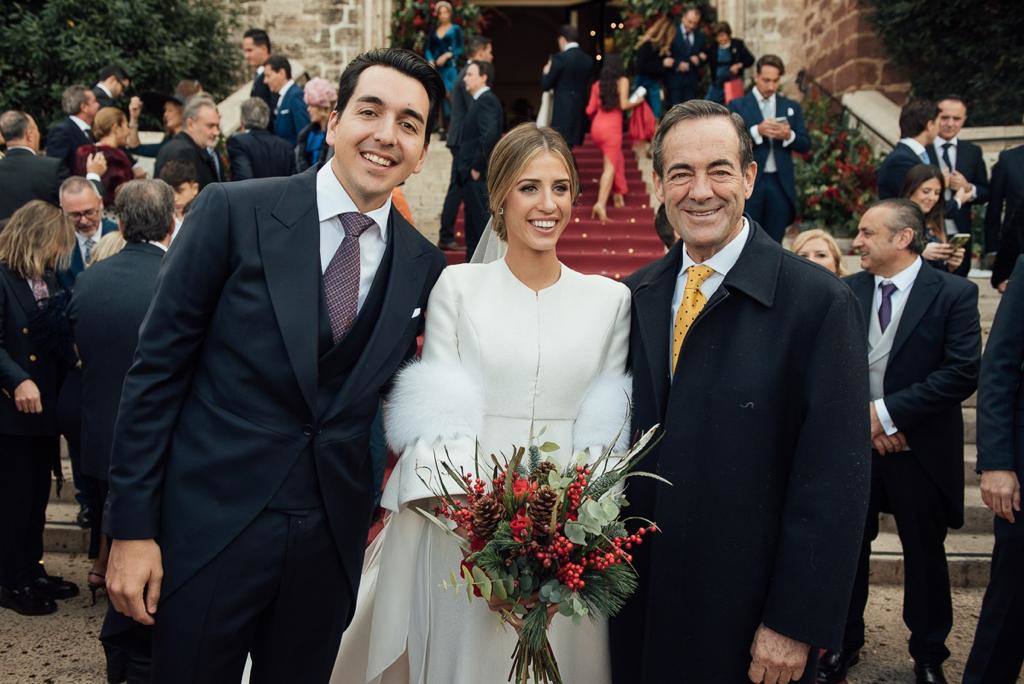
[308,430]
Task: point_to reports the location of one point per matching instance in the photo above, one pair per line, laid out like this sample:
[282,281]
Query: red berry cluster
[618,552]
[575,491]
[570,575]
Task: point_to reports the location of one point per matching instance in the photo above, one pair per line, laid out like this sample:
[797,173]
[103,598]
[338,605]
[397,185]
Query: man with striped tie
[919,124]
[755,364]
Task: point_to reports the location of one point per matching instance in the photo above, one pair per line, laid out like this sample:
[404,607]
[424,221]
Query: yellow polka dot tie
[693,301]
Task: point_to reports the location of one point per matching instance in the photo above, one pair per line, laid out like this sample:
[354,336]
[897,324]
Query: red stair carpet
[617,248]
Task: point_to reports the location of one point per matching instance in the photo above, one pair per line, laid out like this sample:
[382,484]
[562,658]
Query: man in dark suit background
[919,124]
[290,113]
[481,130]
[964,167]
[777,127]
[479,49]
[688,55]
[924,349]
[67,135]
[196,142]
[1004,219]
[109,304]
[256,48]
[24,174]
[248,533]
[83,205]
[568,74]
[727,592]
[256,152]
[110,85]
[998,651]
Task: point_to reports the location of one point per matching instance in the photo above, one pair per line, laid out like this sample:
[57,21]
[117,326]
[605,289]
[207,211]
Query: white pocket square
[790,111]
[416,312]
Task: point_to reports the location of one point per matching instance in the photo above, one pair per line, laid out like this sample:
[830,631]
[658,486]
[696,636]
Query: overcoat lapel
[926,286]
[289,239]
[863,286]
[652,301]
[23,292]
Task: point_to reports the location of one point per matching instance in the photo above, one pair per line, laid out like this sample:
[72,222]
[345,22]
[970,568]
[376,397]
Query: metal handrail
[803,82]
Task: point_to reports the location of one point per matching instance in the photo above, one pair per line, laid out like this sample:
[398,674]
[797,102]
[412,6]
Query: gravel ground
[63,648]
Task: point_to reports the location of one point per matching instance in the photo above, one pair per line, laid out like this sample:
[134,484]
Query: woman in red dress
[609,97]
[111,130]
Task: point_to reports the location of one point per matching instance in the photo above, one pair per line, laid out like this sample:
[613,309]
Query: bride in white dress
[511,347]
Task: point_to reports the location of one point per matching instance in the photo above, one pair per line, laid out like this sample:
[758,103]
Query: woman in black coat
[726,61]
[35,353]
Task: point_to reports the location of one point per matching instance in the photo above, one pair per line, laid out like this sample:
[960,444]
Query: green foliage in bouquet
[539,540]
[835,181]
[413,18]
[638,15]
[48,45]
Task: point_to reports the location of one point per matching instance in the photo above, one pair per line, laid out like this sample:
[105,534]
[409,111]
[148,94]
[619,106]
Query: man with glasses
[83,205]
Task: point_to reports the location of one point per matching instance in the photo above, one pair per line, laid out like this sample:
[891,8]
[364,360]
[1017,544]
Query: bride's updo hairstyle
[513,154]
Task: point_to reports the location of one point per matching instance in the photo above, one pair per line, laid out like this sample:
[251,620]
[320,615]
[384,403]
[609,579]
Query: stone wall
[323,34]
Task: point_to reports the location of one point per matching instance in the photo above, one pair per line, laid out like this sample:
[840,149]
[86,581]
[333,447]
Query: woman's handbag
[641,122]
[733,90]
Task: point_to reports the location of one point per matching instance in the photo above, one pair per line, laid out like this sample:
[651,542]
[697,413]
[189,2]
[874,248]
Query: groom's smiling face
[379,137]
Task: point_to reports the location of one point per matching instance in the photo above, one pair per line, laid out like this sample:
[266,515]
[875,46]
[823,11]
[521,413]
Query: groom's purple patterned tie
[885,308]
[341,279]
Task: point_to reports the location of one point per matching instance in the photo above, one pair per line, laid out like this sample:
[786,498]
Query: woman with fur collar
[511,347]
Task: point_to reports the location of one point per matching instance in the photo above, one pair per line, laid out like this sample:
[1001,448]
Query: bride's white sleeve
[604,414]
[435,410]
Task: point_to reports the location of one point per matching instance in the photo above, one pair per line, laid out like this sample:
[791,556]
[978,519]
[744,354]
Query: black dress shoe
[451,246]
[55,587]
[926,673]
[84,517]
[833,665]
[27,601]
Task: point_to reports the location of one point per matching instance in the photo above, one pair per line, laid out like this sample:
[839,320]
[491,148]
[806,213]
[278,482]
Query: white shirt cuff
[974,193]
[93,177]
[884,418]
[789,141]
[756,135]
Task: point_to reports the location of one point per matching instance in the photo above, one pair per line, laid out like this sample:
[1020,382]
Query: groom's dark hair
[404,61]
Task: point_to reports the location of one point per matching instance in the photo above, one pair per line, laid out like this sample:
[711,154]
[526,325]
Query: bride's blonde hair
[513,154]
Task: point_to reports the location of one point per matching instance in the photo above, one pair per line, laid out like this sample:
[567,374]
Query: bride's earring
[501,211]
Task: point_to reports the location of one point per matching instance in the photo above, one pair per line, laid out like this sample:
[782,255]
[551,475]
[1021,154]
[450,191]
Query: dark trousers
[26,464]
[128,651]
[680,90]
[452,200]
[474,198]
[769,205]
[998,650]
[277,591]
[69,421]
[900,486]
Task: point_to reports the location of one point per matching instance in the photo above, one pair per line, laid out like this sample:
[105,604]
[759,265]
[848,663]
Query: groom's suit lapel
[652,301]
[289,242]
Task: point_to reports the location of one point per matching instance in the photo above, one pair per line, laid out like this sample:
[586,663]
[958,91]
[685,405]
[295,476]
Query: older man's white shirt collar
[903,280]
[331,200]
[723,261]
[477,94]
[81,124]
[105,89]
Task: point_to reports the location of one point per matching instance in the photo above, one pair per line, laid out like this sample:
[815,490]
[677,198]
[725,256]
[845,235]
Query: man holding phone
[776,124]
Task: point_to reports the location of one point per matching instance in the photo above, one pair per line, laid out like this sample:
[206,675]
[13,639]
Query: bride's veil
[490,248]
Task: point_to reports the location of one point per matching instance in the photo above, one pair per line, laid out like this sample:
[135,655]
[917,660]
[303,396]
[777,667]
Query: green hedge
[48,45]
[968,47]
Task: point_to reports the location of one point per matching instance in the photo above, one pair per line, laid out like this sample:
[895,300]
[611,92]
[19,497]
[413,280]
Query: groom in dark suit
[766,446]
[241,482]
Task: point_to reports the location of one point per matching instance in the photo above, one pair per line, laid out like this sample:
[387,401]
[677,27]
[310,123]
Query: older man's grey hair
[255,113]
[76,184]
[195,104]
[72,99]
[904,214]
[146,210]
[14,125]
[700,109]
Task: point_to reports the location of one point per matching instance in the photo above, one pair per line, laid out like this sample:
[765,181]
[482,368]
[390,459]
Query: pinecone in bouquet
[487,513]
[542,507]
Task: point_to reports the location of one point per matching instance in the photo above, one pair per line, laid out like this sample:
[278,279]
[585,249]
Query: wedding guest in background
[688,55]
[181,176]
[67,135]
[111,130]
[479,49]
[652,50]
[964,168]
[481,130]
[924,349]
[197,142]
[169,109]
[109,245]
[568,75]
[311,145]
[663,228]
[918,128]
[925,185]
[727,59]
[290,113]
[110,85]
[36,241]
[777,127]
[256,49]
[255,152]
[609,98]
[83,205]
[444,49]
[998,651]
[25,175]
[1004,218]
[820,247]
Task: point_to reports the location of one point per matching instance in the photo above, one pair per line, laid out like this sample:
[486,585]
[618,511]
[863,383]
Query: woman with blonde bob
[820,247]
[512,346]
[34,357]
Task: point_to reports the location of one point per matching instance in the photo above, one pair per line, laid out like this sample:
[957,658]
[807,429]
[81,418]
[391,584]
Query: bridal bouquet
[539,539]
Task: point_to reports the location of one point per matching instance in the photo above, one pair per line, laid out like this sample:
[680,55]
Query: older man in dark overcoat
[754,362]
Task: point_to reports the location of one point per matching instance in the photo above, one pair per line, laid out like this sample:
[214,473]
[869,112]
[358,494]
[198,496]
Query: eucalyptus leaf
[526,583]
[554,480]
[549,447]
[610,509]
[575,533]
[555,596]
[565,608]
[483,582]
[498,588]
